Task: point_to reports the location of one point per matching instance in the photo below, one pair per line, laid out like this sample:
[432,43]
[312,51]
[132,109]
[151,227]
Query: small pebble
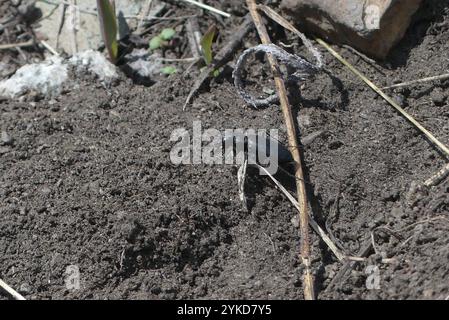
[399,99]
[295,221]
[6,138]
[25,288]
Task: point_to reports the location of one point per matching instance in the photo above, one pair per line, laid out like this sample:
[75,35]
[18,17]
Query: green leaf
[167,34]
[169,70]
[108,26]
[206,44]
[156,43]
[216,73]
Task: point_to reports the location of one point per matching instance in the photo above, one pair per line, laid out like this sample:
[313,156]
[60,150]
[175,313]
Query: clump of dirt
[86,180]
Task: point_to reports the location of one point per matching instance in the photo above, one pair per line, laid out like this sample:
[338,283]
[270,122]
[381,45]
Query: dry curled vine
[302,69]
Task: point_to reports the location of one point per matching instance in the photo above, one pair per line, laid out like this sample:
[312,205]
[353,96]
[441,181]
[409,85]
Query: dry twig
[308,284]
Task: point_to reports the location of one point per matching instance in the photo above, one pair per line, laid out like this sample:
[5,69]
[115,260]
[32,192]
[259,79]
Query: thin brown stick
[294,149]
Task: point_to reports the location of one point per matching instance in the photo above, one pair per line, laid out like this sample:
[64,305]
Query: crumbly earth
[86,180]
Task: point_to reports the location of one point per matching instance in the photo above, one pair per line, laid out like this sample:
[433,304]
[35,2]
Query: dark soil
[86,180]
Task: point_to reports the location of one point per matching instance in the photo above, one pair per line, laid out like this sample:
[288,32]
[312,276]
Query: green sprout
[206,47]
[108,26]
[162,40]
[167,34]
[156,43]
[169,70]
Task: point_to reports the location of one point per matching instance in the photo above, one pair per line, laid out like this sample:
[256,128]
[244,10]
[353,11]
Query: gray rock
[6,139]
[25,288]
[371,26]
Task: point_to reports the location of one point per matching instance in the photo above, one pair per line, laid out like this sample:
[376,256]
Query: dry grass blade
[340,256]
[410,83]
[206,7]
[49,48]
[11,291]
[361,259]
[308,282]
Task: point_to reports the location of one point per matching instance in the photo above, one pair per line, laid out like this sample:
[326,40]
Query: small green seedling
[163,39]
[206,47]
[169,70]
[108,26]
[167,34]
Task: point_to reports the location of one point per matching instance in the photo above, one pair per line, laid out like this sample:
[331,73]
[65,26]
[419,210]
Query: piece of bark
[370,26]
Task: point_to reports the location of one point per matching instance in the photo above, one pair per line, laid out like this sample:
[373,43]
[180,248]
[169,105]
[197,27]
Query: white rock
[45,78]
[48,77]
[94,62]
